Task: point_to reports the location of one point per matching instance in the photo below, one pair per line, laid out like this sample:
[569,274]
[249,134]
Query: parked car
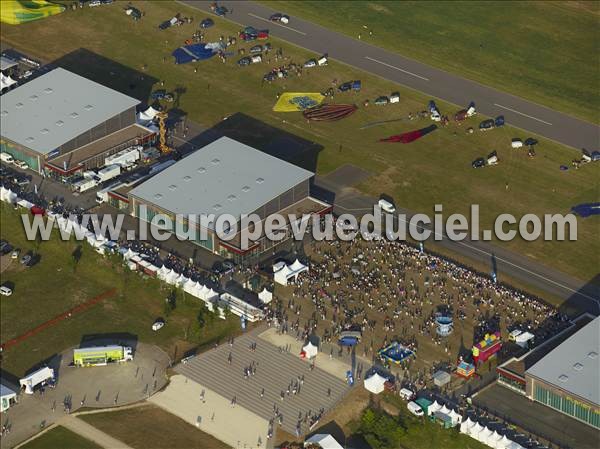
[221,11]
[383,100]
[94,3]
[5,291]
[499,121]
[415,408]
[22,181]
[350,85]
[26,259]
[256,59]
[386,206]
[256,49]
[21,164]
[207,23]
[5,248]
[158,324]
[310,63]
[244,61]
[478,163]
[15,254]
[486,125]
[279,17]
[158,94]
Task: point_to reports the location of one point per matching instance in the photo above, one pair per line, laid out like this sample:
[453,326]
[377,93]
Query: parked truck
[101,355]
[43,376]
[124,158]
[84,184]
[108,172]
[102,195]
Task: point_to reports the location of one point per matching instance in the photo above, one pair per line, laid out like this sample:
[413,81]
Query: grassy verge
[151,427]
[518,47]
[59,437]
[55,285]
[433,170]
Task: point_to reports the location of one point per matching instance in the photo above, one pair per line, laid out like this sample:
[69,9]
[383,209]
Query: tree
[171,302]
[76,257]
[380,430]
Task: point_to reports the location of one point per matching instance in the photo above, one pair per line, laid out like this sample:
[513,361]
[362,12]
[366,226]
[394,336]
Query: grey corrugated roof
[224,177]
[574,365]
[6,63]
[48,111]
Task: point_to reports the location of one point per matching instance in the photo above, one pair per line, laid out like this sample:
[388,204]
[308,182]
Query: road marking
[524,115]
[396,68]
[275,23]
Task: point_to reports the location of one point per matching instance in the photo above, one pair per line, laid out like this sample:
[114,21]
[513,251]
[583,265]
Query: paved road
[585,296]
[437,83]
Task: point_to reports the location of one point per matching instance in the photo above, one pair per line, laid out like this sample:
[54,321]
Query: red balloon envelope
[410,136]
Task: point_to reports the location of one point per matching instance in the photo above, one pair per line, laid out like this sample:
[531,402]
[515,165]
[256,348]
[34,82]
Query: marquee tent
[265,296]
[456,417]
[475,430]
[129,254]
[504,443]
[189,287]
[466,425]
[435,407]
[162,273]
[145,117]
[298,267]
[493,439]
[484,435]
[309,351]
[324,441]
[6,82]
[375,384]
[283,274]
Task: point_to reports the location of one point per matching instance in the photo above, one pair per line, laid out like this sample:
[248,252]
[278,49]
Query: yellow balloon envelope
[297,101]
[15,12]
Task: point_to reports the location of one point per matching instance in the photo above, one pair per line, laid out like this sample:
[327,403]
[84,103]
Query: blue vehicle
[499,121]
[207,23]
[350,85]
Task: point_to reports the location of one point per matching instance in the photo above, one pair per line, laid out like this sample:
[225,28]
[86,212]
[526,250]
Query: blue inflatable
[195,52]
[586,209]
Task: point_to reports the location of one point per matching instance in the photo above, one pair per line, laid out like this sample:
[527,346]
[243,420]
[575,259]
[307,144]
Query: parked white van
[414,408]
[406,394]
[386,206]
[7,157]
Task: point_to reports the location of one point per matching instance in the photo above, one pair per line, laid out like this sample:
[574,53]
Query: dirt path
[91,433]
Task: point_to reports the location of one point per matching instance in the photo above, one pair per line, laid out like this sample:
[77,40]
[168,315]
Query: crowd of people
[393,291]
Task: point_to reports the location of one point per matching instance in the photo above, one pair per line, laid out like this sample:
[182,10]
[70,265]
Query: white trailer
[42,376]
[108,173]
[84,184]
[125,158]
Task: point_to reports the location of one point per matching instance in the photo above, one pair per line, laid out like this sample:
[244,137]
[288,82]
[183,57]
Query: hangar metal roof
[574,365]
[54,108]
[224,177]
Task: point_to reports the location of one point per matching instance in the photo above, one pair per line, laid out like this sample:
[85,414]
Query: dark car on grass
[246,60]
[478,163]
[207,23]
[487,125]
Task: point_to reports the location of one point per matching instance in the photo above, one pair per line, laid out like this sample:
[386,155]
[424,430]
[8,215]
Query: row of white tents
[214,301]
[283,272]
[487,436]
[436,407]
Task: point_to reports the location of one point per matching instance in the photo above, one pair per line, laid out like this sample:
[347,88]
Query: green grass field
[62,438]
[546,52]
[151,427]
[435,169]
[52,286]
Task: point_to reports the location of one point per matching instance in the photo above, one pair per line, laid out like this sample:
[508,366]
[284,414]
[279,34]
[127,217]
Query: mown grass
[62,438]
[518,47]
[435,169]
[151,427]
[55,285]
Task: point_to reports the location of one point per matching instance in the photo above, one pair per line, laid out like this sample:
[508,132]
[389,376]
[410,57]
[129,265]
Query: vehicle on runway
[279,17]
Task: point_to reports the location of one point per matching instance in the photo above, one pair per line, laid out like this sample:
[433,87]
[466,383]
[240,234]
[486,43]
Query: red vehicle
[250,34]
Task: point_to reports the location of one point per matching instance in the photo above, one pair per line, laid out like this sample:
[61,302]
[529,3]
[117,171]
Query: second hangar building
[228,177]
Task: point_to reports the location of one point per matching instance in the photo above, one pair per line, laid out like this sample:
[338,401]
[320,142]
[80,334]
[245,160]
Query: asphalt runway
[517,111]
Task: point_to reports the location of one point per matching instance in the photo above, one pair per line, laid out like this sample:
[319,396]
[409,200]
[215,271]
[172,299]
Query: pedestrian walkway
[84,429]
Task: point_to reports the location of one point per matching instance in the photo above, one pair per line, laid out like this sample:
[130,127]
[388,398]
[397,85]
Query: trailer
[84,184]
[107,173]
[124,158]
[101,355]
[43,376]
